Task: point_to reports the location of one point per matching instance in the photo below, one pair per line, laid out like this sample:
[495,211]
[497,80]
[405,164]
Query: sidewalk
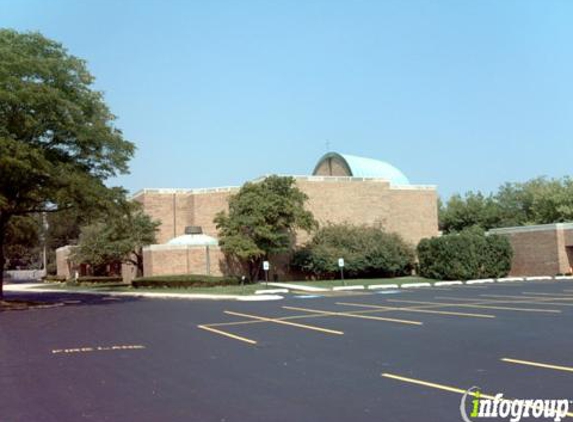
[37,288]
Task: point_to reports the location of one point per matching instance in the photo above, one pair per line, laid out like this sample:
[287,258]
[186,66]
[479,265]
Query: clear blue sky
[462,94]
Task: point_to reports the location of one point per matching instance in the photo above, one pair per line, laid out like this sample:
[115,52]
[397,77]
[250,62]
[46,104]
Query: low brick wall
[540,250]
[181,259]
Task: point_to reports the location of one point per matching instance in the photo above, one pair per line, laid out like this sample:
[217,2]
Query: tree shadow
[30,300]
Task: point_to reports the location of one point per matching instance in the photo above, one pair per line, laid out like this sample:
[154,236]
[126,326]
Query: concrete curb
[448,283]
[414,285]
[270,291]
[383,286]
[510,279]
[485,280]
[301,287]
[343,288]
[148,295]
[259,298]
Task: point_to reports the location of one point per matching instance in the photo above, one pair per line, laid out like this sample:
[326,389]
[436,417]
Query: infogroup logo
[483,406]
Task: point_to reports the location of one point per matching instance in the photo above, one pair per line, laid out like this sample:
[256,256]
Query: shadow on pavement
[30,300]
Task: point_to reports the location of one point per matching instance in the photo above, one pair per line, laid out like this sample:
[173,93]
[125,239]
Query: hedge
[368,252]
[464,256]
[184,280]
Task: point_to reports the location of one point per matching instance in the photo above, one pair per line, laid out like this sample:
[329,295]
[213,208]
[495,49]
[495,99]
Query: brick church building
[342,189]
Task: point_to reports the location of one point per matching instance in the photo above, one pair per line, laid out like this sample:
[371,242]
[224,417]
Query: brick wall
[412,213]
[537,251]
[207,205]
[177,210]
[167,260]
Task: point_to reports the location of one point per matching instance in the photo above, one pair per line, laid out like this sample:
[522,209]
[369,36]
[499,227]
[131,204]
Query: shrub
[367,251]
[467,255]
[184,280]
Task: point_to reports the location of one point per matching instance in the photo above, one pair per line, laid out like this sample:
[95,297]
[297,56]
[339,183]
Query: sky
[465,95]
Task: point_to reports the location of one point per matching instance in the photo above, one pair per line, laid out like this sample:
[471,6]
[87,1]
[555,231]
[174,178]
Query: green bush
[368,252]
[184,280]
[464,256]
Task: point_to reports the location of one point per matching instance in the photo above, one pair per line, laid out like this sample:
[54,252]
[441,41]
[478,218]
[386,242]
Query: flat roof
[533,228]
[171,191]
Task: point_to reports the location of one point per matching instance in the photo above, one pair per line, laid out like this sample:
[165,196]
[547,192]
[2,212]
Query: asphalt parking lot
[360,356]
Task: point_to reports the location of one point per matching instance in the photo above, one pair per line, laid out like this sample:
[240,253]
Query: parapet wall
[410,211]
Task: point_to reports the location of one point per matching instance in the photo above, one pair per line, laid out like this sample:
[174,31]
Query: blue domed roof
[367,167]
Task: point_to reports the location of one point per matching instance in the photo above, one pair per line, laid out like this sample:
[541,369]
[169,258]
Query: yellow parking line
[479,305]
[540,365]
[531,299]
[433,385]
[535,300]
[353,315]
[226,334]
[524,296]
[292,324]
[444,387]
[414,309]
[558,294]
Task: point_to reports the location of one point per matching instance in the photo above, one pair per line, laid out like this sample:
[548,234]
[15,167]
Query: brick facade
[410,211]
[540,250]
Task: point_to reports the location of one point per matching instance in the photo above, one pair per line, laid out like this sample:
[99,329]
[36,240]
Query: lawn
[327,284]
[248,289]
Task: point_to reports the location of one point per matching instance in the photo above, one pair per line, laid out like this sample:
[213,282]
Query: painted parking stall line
[292,324]
[418,309]
[354,315]
[478,305]
[451,389]
[227,334]
[538,364]
[515,300]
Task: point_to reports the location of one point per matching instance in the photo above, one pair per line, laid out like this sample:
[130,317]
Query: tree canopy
[537,201]
[262,221]
[58,141]
[118,238]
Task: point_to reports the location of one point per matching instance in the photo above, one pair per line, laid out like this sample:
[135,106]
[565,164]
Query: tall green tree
[119,238]
[262,221]
[537,201]
[473,209]
[58,141]
[22,242]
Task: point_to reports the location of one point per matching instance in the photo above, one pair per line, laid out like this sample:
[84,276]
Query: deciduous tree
[262,220]
[118,238]
[58,141]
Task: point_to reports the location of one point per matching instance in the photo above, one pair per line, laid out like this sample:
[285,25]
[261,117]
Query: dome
[335,164]
[194,240]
